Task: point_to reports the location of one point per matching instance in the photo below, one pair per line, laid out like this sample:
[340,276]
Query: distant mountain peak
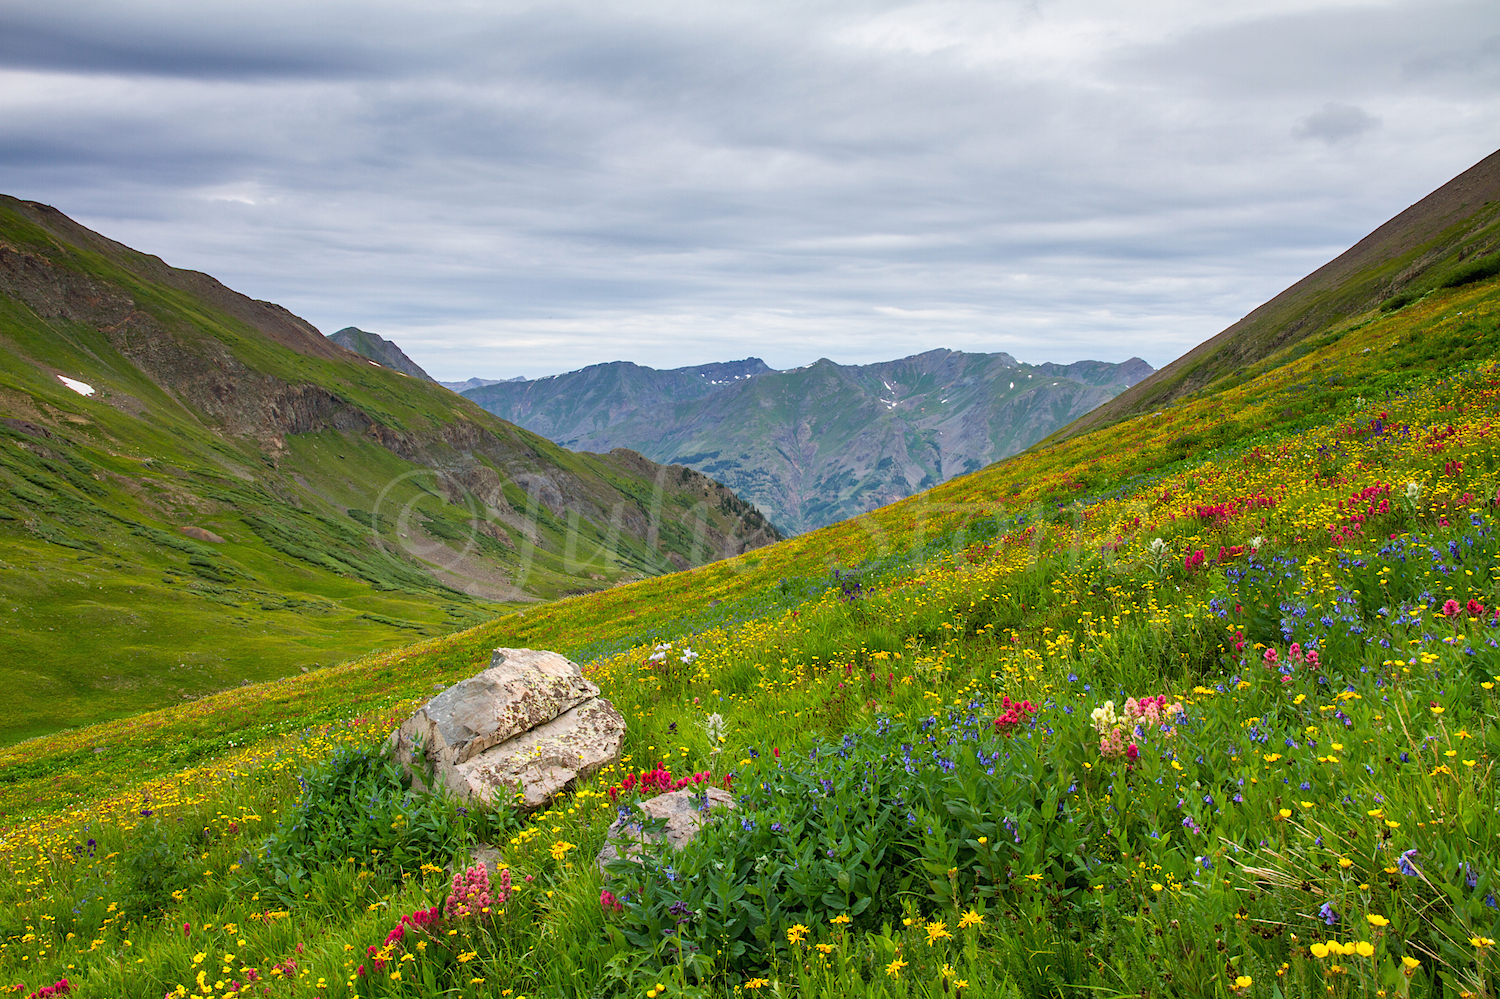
[380,350]
[727,372]
[474,383]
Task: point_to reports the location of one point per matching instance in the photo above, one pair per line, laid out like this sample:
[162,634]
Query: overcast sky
[520,189]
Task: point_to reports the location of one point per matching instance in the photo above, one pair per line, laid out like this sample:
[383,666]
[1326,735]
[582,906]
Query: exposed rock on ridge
[380,350]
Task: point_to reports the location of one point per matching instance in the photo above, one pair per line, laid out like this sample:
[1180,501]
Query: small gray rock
[483,853]
[679,808]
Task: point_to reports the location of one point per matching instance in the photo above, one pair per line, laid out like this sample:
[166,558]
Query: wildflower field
[1201,704]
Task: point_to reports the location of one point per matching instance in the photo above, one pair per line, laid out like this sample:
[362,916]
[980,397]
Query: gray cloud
[1335,123]
[524,188]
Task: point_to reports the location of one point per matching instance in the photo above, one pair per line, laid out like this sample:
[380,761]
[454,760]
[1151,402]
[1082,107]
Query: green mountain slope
[820,444]
[1449,238]
[380,350]
[223,496]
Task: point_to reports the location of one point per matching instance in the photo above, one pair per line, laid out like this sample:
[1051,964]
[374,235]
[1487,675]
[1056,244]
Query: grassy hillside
[950,780]
[239,500]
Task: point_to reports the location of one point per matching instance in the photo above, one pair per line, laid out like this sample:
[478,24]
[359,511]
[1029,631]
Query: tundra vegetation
[1202,704]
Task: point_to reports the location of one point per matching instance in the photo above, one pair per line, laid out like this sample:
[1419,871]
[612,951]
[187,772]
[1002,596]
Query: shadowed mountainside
[380,350]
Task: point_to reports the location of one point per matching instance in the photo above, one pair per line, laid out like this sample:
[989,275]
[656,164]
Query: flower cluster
[660,781]
[421,919]
[1153,711]
[472,894]
[1452,609]
[60,988]
[659,654]
[1357,509]
[1139,716]
[1013,714]
[1295,656]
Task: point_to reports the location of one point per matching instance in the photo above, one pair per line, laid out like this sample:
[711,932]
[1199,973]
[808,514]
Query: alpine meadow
[1197,697]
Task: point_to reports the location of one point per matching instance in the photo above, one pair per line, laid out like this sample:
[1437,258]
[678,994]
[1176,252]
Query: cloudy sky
[525,188]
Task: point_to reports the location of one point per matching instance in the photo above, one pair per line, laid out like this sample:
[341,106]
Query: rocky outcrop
[526,728]
[684,812]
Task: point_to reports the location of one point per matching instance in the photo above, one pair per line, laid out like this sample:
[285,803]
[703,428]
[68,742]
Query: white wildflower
[1104,717]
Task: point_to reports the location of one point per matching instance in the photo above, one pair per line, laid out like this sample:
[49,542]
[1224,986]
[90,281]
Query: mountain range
[198,489]
[470,383]
[821,443]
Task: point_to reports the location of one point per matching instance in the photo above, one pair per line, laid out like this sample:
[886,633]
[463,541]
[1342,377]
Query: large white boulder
[526,728]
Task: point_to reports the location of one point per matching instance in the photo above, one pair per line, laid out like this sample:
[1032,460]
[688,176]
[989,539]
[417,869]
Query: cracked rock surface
[526,728]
